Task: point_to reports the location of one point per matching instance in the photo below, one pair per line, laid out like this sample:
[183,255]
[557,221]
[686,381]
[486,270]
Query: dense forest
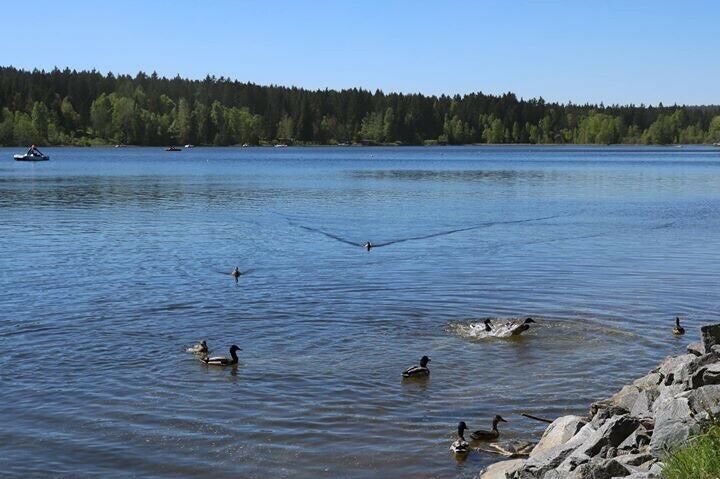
[68,107]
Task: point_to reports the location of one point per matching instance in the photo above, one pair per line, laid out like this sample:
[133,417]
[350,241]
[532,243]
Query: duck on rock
[223,360]
[488,435]
[460,446]
[421,371]
[678,330]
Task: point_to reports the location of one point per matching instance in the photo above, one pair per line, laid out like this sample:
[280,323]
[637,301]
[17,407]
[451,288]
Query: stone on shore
[500,470]
[559,432]
[710,335]
[629,433]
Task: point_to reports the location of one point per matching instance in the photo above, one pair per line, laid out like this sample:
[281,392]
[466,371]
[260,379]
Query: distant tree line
[64,107]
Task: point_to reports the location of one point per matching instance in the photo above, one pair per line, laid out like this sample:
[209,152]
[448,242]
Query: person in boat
[33,151]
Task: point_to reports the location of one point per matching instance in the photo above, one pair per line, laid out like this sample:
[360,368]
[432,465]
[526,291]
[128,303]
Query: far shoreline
[388,145]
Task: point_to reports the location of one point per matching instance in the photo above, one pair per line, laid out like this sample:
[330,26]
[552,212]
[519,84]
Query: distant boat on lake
[173,148]
[33,154]
[189,146]
[281,145]
[27,157]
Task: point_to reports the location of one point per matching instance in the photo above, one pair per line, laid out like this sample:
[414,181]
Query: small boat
[27,157]
[173,148]
[245,145]
[716,144]
[189,146]
[33,154]
[281,145]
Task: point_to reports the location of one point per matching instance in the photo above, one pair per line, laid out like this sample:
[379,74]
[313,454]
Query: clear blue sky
[596,51]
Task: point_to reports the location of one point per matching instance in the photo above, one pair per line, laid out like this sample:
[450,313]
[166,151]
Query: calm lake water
[115,260]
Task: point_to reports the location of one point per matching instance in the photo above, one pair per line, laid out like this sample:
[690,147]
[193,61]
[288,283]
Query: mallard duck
[460,446]
[418,371]
[512,327]
[488,435]
[678,330]
[222,360]
[368,246]
[199,348]
[236,273]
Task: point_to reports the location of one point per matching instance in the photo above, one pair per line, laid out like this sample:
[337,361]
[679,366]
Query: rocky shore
[628,434]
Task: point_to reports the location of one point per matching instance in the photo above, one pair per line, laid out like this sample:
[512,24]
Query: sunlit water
[114,261]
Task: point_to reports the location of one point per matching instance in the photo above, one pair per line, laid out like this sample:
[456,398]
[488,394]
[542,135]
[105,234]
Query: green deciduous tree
[40,121]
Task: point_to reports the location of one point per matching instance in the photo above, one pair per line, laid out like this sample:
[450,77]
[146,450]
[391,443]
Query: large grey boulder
[710,335]
[559,432]
[677,369]
[606,469]
[636,441]
[611,434]
[501,470]
[649,381]
[696,349]
[706,375]
[703,399]
[543,462]
[635,460]
[674,423]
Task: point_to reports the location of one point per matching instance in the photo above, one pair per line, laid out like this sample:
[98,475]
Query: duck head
[529,320]
[461,429]
[498,419]
[487,325]
[677,321]
[424,360]
[234,348]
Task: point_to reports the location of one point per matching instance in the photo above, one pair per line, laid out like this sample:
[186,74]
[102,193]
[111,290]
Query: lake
[114,261]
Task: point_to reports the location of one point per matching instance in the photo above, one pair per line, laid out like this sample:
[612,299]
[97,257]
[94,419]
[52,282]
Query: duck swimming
[421,371]
[488,327]
[236,273]
[199,348]
[678,330]
[460,446]
[368,246]
[222,360]
[488,435]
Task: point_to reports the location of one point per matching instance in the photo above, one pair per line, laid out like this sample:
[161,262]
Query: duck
[199,348]
[513,327]
[678,330]
[460,446]
[421,371]
[222,360]
[236,273]
[368,246]
[488,435]
[488,326]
